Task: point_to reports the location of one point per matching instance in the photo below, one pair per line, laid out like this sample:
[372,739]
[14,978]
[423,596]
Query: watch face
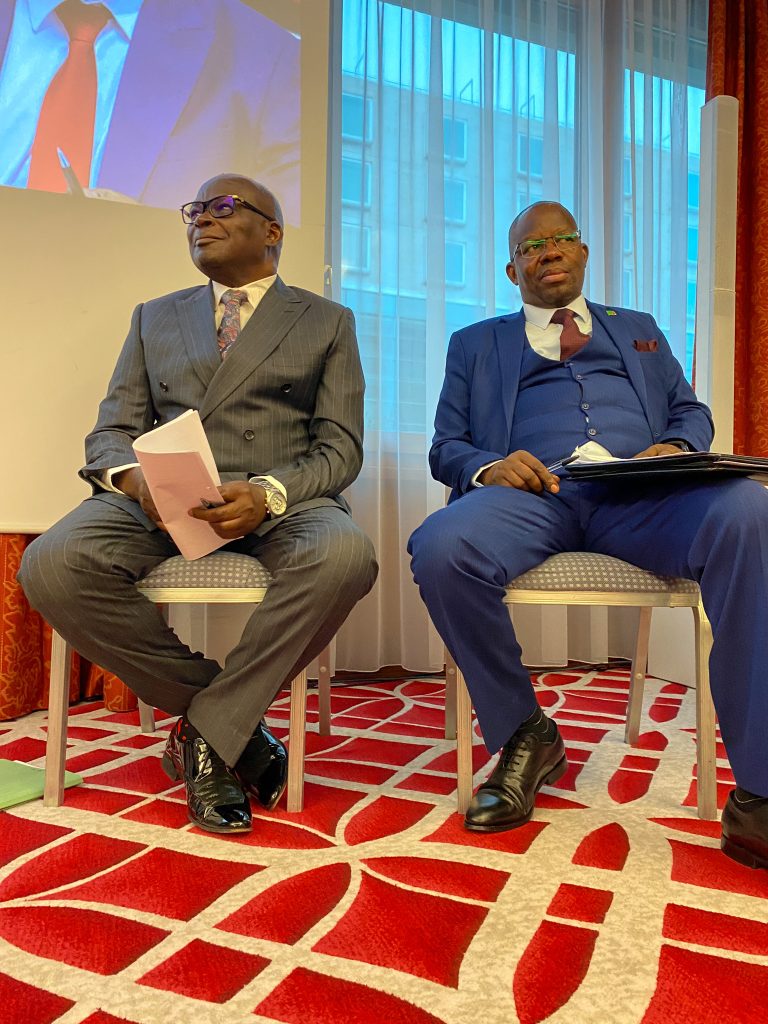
[276,503]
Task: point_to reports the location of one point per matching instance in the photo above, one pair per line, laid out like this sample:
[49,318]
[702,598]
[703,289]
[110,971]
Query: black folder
[693,464]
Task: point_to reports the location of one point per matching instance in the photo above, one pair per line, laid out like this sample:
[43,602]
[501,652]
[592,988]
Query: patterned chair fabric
[223,569]
[585,570]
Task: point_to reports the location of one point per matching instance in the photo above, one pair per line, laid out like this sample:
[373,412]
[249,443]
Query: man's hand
[523,471]
[132,482]
[244,509]
[658,449]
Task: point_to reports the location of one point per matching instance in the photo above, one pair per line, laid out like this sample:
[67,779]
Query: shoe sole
[556,773]
[741,854]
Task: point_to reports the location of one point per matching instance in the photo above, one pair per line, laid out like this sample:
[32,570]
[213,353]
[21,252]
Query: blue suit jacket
[207,87]
[473,423]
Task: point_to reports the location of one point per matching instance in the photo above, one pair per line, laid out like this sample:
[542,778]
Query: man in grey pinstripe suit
[284,415]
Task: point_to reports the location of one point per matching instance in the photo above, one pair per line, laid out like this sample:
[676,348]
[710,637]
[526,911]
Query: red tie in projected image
[571,338]
[69,108]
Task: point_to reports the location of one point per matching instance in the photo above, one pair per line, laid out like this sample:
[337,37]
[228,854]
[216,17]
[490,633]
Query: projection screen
[182,91]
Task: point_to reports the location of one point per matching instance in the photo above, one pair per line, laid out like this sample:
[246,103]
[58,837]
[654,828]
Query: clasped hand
[243,510]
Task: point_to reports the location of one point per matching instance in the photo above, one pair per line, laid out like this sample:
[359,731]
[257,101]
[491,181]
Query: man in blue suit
[520,393]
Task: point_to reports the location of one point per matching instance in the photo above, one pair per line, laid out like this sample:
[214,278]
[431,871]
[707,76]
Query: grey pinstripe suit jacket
[287,401]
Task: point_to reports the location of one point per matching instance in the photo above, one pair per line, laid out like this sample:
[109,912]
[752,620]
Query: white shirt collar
[124,12]
[255,290]
[541,315]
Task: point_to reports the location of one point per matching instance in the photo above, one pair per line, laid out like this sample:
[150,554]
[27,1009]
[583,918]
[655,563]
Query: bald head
[517,229]
[552,274]
[241,248]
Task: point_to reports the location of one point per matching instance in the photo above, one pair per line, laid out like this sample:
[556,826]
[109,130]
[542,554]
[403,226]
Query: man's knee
[43,572]
[440,547]
[350,561]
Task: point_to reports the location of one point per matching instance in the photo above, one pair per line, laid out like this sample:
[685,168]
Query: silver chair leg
[296,742]
[451,670]
[706,752]
[324,691]
[146,717]
[464,773]
[58,705]
[637,677]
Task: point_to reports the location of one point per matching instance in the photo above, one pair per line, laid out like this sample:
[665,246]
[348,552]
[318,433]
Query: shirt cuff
[475,481]
[104,478]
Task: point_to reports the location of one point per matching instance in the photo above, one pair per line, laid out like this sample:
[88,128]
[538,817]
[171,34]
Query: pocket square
[646,346]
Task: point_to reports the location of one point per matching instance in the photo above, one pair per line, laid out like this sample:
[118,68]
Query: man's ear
[512,272]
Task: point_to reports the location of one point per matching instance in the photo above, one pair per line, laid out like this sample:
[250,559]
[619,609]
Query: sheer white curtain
[448,117]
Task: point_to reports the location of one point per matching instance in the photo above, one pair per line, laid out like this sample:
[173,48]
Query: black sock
[743,796]
[540,726]
[188,731]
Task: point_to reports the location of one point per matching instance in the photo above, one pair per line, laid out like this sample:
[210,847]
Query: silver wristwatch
[275,499]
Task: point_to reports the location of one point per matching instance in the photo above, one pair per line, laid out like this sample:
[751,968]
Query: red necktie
[69,108]
[229,328]
[571,338]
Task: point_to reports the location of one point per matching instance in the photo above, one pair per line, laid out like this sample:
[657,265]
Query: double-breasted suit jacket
[286,402]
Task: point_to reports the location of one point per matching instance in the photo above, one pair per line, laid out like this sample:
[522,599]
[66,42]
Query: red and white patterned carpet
[613,906]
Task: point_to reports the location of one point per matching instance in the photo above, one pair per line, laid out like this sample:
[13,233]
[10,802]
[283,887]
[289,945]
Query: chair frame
[58,702]
[459,707]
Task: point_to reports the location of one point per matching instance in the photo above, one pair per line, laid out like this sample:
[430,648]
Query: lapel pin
[610,312]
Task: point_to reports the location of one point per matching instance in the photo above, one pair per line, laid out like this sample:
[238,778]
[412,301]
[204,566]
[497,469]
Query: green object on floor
[21,782]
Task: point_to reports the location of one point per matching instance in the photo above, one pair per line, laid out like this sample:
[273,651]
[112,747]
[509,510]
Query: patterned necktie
[229,328]
[69,109]
[571,338]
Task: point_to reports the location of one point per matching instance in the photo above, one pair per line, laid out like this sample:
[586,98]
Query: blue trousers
[715,533]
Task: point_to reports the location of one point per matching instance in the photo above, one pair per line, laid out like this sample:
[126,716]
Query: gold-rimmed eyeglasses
[531,247]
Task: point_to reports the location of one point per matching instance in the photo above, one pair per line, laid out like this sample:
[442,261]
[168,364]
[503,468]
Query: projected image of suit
[141,100]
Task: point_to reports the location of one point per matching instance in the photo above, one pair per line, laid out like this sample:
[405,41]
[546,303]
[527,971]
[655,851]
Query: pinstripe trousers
[80,576]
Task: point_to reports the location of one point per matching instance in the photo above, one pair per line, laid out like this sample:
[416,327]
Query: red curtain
[25,649]
[736,66]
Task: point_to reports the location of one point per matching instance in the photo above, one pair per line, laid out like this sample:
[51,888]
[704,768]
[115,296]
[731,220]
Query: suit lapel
[614,327]
[198,330]
[509,335]
[275,316]
[142,111]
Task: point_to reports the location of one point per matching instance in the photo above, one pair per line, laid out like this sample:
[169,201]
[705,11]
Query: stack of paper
[181,474]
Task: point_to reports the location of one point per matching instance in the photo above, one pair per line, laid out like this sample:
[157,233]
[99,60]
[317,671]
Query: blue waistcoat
[587,398]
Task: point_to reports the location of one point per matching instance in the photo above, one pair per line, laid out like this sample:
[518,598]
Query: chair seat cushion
[585,570]
[222,570]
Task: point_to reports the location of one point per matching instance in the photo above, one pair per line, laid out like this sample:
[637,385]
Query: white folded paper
[181,474]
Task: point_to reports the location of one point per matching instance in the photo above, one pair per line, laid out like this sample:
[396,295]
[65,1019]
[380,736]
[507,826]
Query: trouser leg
[716,534]
[462,558]
[80,576]
[322,565]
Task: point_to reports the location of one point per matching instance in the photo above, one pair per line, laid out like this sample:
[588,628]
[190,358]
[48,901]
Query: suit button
[163,386]
[248,435]
[285,388]
[591,431]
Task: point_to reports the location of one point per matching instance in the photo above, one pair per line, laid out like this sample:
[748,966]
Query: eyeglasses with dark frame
[531,247]
[219,207]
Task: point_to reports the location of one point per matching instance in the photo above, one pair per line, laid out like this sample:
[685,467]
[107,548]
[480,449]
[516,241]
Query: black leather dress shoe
[215,799]
[527,762]
[745,831]
[263,767]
